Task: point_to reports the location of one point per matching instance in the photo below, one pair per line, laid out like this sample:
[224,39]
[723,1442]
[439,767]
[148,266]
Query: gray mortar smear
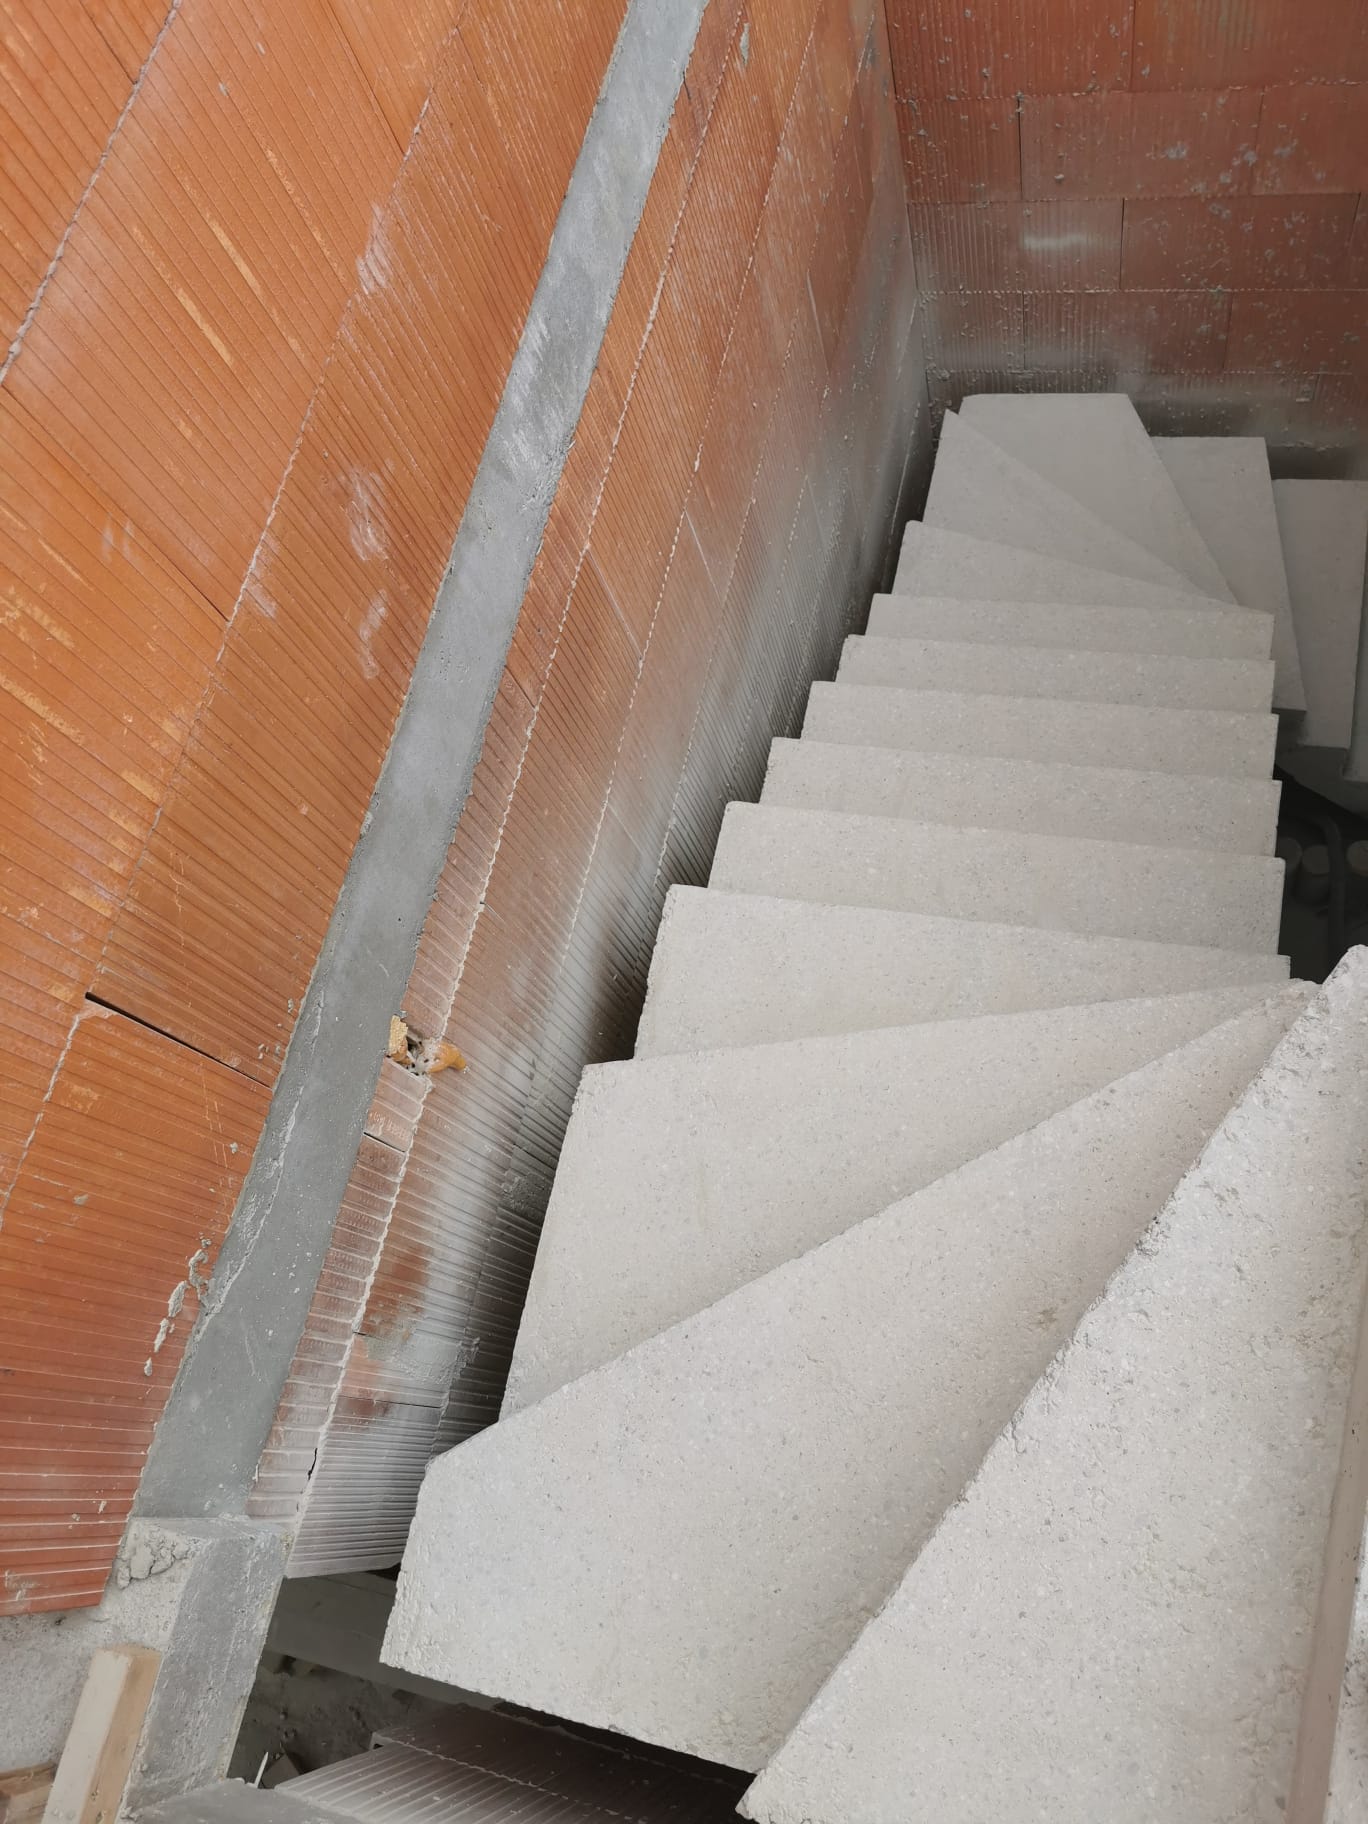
[211,1434]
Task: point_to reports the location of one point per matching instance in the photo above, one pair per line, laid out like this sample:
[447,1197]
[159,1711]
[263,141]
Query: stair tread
[1197,632]
[1146,1588]
[1045,798]
[976,487]
[1141,679]
[887,1358]
[1112,889]
[1324,528]
[744,969]
[1229,743]
[1225,485]
[1094,447]
[683,1177]
[936,560]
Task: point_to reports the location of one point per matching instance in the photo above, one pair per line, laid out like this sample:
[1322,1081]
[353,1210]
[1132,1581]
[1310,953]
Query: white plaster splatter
[364,524]
[375,266]
[371,624]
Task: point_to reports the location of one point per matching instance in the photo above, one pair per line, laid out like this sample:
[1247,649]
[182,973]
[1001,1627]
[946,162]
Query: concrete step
[1142,679]
[1139,1608]
[1046,798]
[1224,484]
[684,1177]
[1349,1765]
[976,487]
[1234,744]
[743,969]
[1195,632]
[793,1446]
[1094,447]
[1324,529]
[933,560]
[1059,883]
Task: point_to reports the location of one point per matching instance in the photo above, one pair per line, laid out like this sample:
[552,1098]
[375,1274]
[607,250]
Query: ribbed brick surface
[1170,166]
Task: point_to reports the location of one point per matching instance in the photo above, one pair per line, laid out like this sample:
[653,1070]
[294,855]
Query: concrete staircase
[939,1392]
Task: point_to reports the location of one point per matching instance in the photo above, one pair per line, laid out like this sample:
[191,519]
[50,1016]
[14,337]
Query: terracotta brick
[943,48]
[1127,331]
[975,329]
[62,85]
[1002,246]
[960,151]
[110,1236]
[1300,332]
[1120,144]
[1314,138]
[540,79]
[1248,243]
[398,44]
[1356,260]
[1208,44]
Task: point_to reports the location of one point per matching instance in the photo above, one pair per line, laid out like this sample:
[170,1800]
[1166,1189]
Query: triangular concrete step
[1230,743]
[934,560]
[1094,447]
[683,1177]
[1324,529]
[682,1545]
[1225,485]
[1046,798]
[976,487]
[1349,1764]
[743,969]
[1139,1608]
[1144,680]
[1193,632]
[1109,889]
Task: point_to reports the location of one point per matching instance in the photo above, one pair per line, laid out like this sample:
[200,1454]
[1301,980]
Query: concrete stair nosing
[1063,883]
[1142,680]
[1228,743]
[1115,804]
[742,969]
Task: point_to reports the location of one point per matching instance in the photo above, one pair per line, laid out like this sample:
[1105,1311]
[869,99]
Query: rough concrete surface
[200,1592]
[1046,798]
[682,1545]
[1142,679]
[1061,883]
[934,560]
[977,488]
[1229,742]
[683,1177]
[1198,632]
[1094,447]
[1349,1765]
[1224,483]
[1324,529]
[1140,1608]
[742,969]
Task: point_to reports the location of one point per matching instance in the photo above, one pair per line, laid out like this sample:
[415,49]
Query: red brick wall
[263,268]
[1160,195]
[726,505]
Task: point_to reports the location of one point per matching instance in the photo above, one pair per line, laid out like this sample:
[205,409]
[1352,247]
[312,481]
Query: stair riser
[1233,902]
[1140,680]
[738,969]
[1210,742]
[1198,633]
[1165,810]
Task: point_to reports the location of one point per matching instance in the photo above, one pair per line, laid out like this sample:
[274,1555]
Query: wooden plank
[93,1771]
[24,1793]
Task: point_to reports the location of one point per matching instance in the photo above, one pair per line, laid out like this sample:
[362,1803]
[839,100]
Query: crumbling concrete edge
[207,1444]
